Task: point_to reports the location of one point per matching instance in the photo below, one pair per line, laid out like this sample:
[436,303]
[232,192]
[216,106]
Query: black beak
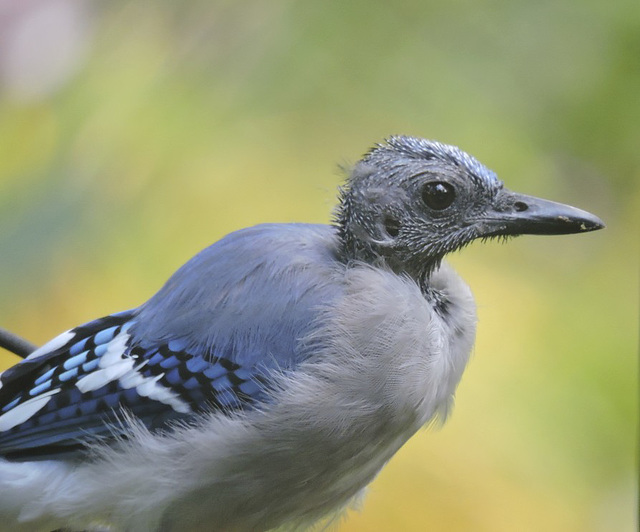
[517,214]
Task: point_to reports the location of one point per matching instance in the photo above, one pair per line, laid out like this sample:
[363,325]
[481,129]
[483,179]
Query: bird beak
[517,214]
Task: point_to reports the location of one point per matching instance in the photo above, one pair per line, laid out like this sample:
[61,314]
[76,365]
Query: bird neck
[354,249]
[357,245]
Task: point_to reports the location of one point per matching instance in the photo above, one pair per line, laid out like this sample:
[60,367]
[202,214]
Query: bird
[275,373]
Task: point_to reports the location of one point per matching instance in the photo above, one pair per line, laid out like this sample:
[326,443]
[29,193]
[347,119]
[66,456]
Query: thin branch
[15,344]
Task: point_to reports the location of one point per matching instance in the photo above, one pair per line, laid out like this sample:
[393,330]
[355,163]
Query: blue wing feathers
[208,340]
[252,295]
[161,385]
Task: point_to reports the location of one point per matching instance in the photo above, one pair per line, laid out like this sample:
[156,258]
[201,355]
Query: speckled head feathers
[410,201]
[398,147]
[382,214]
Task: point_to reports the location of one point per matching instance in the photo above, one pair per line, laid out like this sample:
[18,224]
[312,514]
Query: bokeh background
[135,133]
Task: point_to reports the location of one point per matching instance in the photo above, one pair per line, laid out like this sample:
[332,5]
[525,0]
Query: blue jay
[276,372]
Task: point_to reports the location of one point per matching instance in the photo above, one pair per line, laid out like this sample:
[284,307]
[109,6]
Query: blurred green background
[133,134]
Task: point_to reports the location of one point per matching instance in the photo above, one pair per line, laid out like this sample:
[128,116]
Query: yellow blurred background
[133,134]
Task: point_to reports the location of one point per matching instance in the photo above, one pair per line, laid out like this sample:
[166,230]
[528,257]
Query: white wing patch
[52,345]
[149,387]
[101,377]
[114,365]
[22,412]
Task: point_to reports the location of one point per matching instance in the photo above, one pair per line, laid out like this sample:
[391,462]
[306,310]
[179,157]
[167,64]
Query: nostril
[520,206]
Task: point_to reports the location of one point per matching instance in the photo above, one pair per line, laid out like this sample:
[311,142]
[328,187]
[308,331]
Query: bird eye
[438,195]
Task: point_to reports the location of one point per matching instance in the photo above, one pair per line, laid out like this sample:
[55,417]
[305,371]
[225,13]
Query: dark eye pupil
[438,195]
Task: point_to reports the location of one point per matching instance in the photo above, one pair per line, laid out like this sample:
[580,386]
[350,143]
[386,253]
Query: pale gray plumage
[267,383]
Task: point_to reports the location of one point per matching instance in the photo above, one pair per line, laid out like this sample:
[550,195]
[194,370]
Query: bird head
[410,201]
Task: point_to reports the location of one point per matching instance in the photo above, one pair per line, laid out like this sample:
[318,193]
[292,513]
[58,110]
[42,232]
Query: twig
[15,344]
